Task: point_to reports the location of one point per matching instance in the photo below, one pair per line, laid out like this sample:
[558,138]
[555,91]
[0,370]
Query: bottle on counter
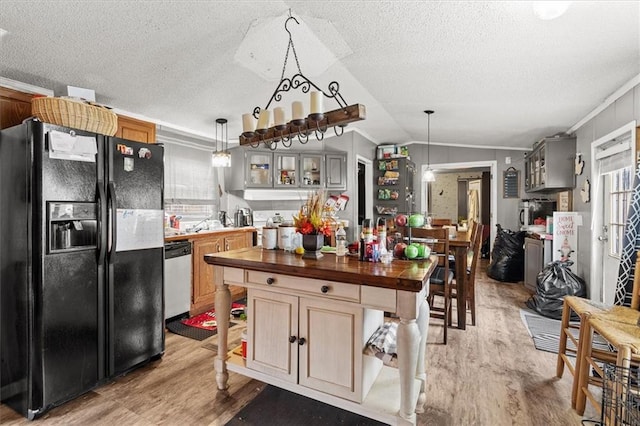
[341,241]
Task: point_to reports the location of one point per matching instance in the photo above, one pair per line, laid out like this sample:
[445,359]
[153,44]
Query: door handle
[111,199]
[100,230]
[603,238]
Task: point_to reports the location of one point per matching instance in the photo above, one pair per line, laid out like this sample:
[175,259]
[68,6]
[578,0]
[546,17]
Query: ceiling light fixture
[428,175]
[548,10]
[300,127]
[221,158]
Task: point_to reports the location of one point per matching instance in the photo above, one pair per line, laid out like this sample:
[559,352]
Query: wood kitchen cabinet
[136,130]
[15,106]
[203,288]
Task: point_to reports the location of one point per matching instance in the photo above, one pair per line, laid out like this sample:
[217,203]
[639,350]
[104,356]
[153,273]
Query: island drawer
[331,289]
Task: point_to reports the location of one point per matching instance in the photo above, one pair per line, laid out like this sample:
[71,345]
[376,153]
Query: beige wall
[444,195]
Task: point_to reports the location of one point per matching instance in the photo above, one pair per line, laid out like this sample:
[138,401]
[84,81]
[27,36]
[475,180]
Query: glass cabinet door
[312,167]
[286,170]
[259,166]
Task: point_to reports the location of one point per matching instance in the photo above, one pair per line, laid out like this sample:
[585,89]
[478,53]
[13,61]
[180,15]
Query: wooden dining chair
[442,277]
[439,222]
[473,256]
[576,312]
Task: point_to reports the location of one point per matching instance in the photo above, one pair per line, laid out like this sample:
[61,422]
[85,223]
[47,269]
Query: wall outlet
[507,160]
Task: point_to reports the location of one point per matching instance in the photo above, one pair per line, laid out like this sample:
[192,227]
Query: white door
[616,194]
[612,174]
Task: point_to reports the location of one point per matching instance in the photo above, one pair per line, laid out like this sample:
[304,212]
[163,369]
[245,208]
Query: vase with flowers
[312,221]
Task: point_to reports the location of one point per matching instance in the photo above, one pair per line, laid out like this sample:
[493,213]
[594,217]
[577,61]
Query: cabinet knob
[270,280]
[302,341]
[324,289]
[292,339]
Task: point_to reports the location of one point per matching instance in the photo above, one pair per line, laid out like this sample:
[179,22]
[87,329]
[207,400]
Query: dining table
[460,244]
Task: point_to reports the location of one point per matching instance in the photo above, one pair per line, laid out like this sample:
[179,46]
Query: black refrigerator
[81,262]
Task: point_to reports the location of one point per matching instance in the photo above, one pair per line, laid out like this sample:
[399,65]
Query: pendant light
[221,158]
[428,175]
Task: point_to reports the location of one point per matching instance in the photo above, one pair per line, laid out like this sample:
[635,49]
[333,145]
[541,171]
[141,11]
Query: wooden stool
[625,341]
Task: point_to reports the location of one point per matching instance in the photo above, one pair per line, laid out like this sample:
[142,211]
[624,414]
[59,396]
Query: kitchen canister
[285,237]
[269,238]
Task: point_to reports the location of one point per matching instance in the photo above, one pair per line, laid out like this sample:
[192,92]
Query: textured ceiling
[495,74]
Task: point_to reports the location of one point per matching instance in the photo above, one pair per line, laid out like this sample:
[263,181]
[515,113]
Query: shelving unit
[393,183]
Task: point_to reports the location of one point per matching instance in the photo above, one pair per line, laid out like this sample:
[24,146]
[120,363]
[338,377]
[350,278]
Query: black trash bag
[555,282]
[507,256]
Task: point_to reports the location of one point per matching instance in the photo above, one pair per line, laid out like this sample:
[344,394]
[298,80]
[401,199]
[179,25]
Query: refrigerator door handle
[101,198]
[111,196]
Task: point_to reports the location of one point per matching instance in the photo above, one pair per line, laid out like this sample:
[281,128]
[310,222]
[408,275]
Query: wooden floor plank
[489,374]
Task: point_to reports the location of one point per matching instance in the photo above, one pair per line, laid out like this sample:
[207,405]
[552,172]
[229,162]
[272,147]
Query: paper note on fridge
[138,229]
[64,146]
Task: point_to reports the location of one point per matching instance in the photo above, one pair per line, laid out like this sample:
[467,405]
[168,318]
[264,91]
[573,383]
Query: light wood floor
[490,374]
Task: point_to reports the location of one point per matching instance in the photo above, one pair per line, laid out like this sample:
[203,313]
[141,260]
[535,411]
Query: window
[620,182]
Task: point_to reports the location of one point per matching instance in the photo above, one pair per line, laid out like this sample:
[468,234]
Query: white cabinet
[316,342]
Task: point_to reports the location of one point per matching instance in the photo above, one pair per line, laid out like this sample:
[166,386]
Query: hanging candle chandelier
[300,127]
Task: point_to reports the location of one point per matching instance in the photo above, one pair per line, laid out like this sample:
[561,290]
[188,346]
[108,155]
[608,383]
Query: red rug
[207,320]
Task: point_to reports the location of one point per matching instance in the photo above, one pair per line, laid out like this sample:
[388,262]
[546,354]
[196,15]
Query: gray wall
[621,112]
[508,210]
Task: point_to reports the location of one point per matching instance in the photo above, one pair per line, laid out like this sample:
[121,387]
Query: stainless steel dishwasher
[177,279]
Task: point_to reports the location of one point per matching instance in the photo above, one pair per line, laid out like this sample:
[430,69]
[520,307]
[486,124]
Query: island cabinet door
[272,334]
[331,356]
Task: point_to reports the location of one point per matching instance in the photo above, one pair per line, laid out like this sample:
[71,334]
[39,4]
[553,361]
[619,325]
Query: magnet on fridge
[144,153]
[125,150]
[128,164]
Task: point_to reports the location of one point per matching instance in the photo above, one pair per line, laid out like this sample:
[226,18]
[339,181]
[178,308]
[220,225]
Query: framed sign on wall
[565,201]
[511,183]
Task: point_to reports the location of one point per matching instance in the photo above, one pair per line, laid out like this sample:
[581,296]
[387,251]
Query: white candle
[297,110]
[247,123]
[278,116]
[263,119]
[316,103]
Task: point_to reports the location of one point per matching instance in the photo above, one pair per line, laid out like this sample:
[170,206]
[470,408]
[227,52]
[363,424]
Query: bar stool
[582,308]
[624,339]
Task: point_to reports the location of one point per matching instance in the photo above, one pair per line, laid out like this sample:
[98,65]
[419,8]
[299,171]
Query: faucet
[197,227]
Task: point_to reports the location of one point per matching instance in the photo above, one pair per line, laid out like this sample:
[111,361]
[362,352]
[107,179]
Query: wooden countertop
[408,275]
[205,234]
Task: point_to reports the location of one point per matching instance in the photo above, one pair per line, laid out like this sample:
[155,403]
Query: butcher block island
[308,322]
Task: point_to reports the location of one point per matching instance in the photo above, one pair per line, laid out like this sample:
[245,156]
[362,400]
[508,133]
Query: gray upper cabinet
[258,169]
[312,169]
[549,167]
[286,170]
[336,167]
[255,169]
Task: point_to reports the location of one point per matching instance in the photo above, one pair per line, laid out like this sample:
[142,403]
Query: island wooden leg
[223,311]
[409,339]
[421,372]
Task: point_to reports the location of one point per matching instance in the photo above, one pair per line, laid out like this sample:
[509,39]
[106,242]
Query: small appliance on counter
[242,217]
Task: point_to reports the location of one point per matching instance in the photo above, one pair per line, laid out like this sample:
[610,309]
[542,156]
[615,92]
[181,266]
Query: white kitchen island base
[308,334]
[382,403]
